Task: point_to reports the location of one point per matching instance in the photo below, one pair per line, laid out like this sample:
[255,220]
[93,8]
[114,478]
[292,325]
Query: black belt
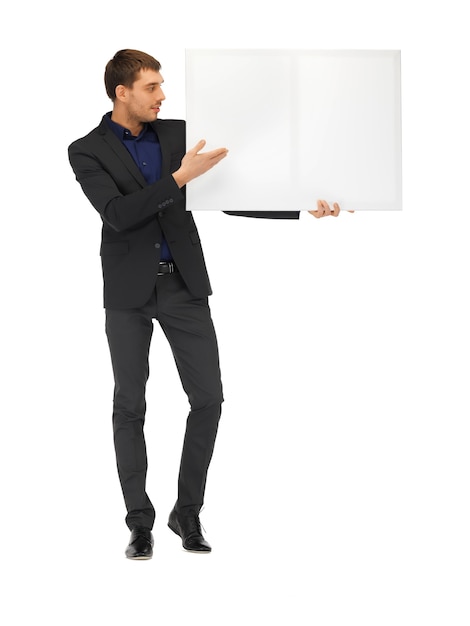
[166,267]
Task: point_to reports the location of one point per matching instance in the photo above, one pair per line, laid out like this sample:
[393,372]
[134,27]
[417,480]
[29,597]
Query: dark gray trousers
[187,324]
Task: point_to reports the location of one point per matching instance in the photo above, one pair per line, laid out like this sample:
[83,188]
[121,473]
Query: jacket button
[157,245]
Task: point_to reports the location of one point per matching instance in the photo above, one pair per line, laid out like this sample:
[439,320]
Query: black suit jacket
[135,214]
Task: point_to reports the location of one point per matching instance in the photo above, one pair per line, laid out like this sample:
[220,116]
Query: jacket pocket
[114,247]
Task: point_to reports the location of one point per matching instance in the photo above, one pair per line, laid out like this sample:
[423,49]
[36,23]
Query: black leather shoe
[140,544]
[188,527]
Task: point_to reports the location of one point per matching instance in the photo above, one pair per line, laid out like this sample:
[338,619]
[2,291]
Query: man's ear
[121,93]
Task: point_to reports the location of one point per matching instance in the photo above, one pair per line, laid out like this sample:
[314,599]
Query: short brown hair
[124,67]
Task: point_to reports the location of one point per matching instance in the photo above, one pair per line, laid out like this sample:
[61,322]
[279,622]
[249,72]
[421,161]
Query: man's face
[144,98]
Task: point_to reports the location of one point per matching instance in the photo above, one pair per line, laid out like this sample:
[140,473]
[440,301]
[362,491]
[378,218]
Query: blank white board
[300,125]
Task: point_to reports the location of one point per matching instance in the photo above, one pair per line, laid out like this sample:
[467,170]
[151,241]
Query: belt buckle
[169,265]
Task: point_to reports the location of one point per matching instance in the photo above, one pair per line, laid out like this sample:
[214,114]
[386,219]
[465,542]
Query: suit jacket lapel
[124,156]
[164,140]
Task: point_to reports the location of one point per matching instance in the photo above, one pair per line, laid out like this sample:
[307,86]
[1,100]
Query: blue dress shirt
[146,152]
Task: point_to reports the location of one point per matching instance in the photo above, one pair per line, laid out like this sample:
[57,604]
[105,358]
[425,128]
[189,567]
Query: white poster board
[300,125]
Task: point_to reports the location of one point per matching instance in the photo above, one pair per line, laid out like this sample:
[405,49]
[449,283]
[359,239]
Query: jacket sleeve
[283,215]
[119,210]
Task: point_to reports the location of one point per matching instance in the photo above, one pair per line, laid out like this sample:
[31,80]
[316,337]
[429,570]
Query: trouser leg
[129,333]
[188,326]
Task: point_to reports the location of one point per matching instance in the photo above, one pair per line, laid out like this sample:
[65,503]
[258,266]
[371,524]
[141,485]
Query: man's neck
[122,119]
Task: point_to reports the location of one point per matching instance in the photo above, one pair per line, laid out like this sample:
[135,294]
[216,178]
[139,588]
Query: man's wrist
[179,178]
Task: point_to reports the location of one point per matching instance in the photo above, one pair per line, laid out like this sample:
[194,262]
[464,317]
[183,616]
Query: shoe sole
[138,558]
[196,551]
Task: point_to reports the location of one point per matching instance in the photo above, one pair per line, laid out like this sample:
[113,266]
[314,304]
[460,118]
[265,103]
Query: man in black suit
[133,168]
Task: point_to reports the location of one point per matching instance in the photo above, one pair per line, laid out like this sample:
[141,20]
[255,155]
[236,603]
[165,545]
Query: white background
[338,491]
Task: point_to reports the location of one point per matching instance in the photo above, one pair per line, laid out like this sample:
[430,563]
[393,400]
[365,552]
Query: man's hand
[194,163]
[323,209]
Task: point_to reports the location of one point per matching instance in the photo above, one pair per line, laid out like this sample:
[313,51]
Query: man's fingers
[320,212]
[218,153]
[199,146]
[323,209]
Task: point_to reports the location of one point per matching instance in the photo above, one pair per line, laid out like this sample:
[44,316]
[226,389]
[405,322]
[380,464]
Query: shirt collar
[123,133]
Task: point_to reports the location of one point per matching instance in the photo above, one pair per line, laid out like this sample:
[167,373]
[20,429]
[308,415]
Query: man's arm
[119,210]
[123,211]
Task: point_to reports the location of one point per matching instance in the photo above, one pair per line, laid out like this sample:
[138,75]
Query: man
[133,168]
